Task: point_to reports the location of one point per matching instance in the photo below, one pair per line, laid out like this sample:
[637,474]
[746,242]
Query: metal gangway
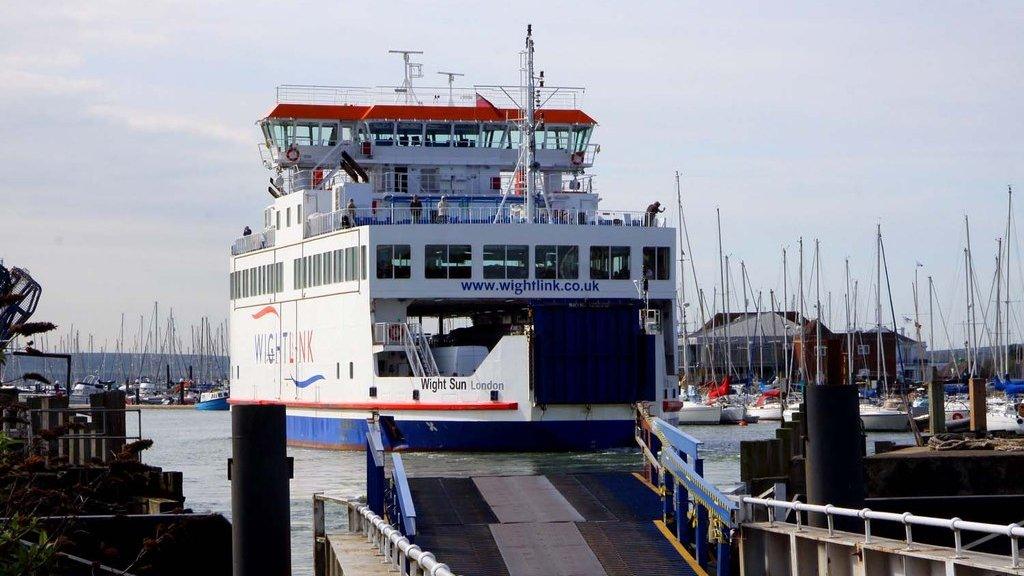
[702,530]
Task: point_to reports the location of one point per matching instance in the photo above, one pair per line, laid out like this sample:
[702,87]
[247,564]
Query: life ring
[292,154]
[956,416]
[395,332]
[577,158]
[1020,410]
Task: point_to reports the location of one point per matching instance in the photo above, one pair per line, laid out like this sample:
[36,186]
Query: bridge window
[467,135]
[448,261]
[495,136]
[439,135]
[501,261]
[283,133]
[304,133]
[657,263]
[382,133]
[393,261]
[581,137]
[557,138]
[556,262]
[325,134]
[410,133]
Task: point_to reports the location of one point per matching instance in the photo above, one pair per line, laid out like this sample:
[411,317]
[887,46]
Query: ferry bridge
[665,519]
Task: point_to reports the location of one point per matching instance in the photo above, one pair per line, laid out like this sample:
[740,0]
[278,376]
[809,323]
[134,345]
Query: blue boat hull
[468,436]
[216,404]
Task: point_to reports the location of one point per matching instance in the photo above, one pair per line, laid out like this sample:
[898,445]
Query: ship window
[439,135]
[448,261]
[325,134]
[346,133]
[283,133]
[339,266]
[581,137]
[288,216]
[557,138]
[350,264]
[514,138]
[277,222]
[501,261]
[280,277]
[657,263]
[364,264]
[620,262]
[600,263]
[561,262]
[393,261]
[467,135]
[494,136]
[410,133]
[382,133]
[304,133]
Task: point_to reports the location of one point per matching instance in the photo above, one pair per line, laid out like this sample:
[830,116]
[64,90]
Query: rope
[945,442]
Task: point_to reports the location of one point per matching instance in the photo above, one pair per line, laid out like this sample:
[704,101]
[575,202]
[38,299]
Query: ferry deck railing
[253,242]
[499,96]
[398,215]
[387,518]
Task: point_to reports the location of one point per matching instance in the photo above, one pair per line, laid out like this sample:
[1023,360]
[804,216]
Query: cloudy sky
[131,155]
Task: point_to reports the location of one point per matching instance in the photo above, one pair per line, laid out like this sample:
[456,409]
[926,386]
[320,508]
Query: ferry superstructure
[438,258]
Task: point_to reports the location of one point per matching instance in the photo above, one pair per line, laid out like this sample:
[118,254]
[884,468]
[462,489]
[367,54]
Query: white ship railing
[505,97]
[955,525]
[324,223]
[253,242]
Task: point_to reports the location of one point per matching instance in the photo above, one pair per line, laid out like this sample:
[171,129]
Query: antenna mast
[528,127]
[451,81]
[412,70]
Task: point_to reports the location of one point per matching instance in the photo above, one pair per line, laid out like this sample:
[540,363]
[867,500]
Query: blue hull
[218,404]
[543,436]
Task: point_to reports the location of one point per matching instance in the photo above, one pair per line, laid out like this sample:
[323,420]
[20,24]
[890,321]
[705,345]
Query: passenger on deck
[351,207]
[652,213]
[442,209]
[416,208]
[247,231]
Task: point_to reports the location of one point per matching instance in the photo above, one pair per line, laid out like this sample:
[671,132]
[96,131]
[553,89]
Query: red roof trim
[393,406]
[402,112]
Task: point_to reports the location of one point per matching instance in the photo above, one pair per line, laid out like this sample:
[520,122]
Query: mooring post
[259,471]
[937,406]
[978,405]
[834,466]
[319,536]
[701,544]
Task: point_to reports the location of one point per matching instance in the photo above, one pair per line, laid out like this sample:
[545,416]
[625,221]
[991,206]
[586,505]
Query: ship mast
[528,127]
[682,285]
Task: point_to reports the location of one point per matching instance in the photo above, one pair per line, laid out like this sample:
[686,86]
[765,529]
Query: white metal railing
[396,550]
[1013,531]
[500,96]
[422,345]
[392,215]
[253,242]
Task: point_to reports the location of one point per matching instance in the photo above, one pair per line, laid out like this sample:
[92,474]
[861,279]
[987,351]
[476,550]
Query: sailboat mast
[997,368]
[528,127]
[1009,218]
[878,307]
[931,323]
[849,328]
[818,376]
[725,303]
[785,305]
[682,284]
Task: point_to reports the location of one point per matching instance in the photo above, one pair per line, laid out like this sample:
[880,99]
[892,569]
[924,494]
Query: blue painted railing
[673,463]
[388,497]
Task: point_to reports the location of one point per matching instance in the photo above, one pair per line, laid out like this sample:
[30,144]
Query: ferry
[437,259]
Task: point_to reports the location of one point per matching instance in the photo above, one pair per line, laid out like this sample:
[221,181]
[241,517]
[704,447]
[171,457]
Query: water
[198,444]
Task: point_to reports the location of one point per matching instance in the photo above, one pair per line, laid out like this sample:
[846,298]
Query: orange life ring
[956,416]
[292,154]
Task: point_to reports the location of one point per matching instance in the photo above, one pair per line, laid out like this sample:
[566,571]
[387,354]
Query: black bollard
[259,471]
[835,450]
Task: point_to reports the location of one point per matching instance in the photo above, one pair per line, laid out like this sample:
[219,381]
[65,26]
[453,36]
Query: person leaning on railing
[651,216]
[351,217]
[415,208]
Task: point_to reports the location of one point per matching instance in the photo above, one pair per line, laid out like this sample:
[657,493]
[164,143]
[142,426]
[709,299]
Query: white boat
[736,413]
[700,413]
[1005,417]
[440,260]
[883,418]
[770,411]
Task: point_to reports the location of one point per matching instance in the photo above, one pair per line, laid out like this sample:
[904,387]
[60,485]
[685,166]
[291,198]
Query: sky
[130,139]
